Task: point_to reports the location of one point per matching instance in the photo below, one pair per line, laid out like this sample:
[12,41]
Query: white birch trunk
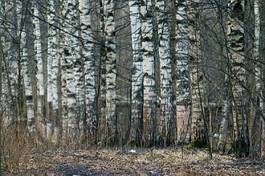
[261,56]
[12,56]
[137,70]
[110,46]
[63,68]
[52,67]
[236,43]
[40,74]
[183,92]
[256,127]
[26,66]
[37,45]
[89,66]
[166,89]
[148,69]
[68,74]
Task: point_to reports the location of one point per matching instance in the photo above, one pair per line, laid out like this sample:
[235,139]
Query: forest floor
[140,162]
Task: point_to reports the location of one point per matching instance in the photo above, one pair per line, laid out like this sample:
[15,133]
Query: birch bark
[52,64]
[137,71]
[40,80]
[69,78]
[110,47]
[166,90]
[149,93]
[236,44]
[89,66]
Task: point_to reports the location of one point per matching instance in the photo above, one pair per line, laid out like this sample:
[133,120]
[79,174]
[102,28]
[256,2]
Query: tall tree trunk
[262,78]
[15,83]
[167,110]
[89,68]
[1,94]
[110,49]
[40,75]
[69,77]
[52,65]
[149,93]
[197,77]
[255,123]
[27,57]
[236,41]
[183,84]
[225,134]
[137,72]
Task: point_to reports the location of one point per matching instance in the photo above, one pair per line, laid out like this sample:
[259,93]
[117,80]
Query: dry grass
[143,162]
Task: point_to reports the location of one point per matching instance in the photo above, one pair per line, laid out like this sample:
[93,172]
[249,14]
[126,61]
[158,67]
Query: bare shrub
[15,143]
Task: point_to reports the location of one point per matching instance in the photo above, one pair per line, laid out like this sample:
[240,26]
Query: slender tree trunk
[149,93]
[197,78]
[137,72]
[26,65]
[262,79]
[89,68]
[167,113]
[255,123]
[102,79]
[40,80]
[110,48]
[69,65]
[225,134]
[236,41]
[1,94]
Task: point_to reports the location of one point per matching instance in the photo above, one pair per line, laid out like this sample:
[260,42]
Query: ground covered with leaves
[134,162]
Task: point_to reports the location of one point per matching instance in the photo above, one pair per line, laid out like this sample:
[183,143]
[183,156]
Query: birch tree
[12,53]
[261,57]
[40,119]
[255,122]
[225,135]
[182,51]
[27,63]
[69,78]
[110,49]
[89,66]
[197,126]
[167,110]
[52,65]
[137,71]
[236,43]
[148,69]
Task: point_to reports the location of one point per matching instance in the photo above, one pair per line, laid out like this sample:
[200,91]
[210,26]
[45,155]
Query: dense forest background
[146,73]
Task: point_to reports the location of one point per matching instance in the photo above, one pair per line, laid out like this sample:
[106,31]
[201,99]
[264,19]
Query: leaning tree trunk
[137,72]
[149,94]
[166,90]
[89,121]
